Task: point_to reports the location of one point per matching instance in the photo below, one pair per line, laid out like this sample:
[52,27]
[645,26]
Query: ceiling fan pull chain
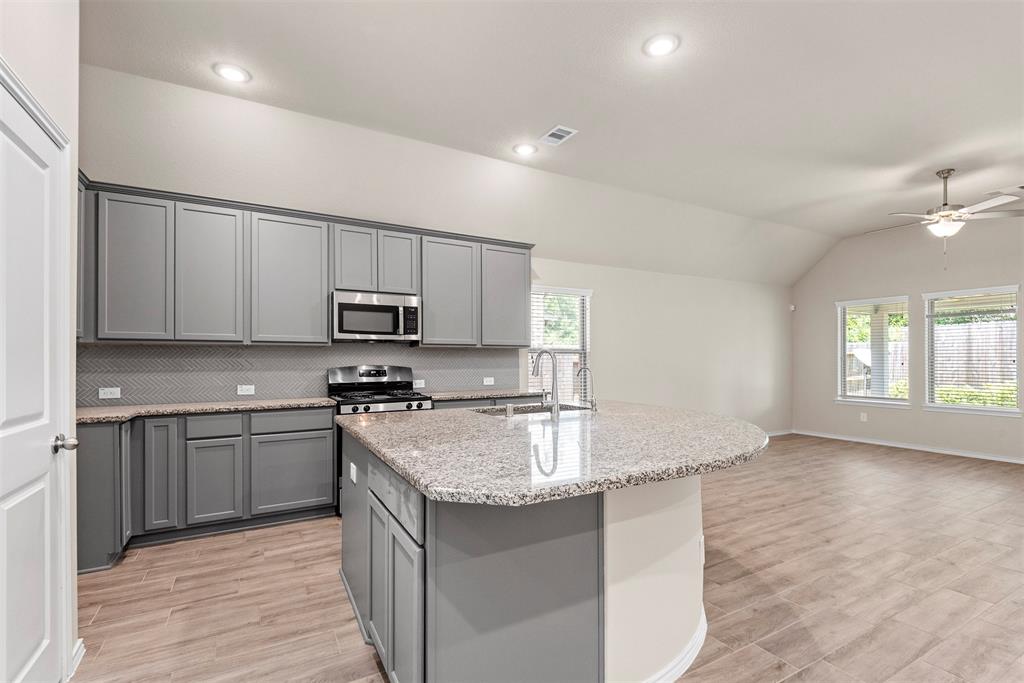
[945,259]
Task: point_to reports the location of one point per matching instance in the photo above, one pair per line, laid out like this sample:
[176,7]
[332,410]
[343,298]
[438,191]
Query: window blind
[873,349]
[560,322]
[972,348]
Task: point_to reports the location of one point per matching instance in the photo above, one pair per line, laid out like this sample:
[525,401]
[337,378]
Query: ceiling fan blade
[891,227]
[997,214]
[914,215]
[989,203]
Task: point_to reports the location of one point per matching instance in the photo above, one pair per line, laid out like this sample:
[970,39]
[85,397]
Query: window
[873,350]
[560,321]
[972,349]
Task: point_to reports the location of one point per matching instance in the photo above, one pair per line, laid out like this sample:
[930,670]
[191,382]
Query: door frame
[71,649]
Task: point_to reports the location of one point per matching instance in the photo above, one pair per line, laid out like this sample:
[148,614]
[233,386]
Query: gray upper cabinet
[208,295]
[505,314]
[355,258]
[135,260]
[80,268]
[451,292]
[214,479]
[160,496]
[292,471]
[290,282]
[399,262]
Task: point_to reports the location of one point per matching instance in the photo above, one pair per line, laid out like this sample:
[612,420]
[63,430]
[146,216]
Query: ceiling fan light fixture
[945,227]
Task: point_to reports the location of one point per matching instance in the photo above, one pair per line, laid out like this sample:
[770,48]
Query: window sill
[874,402]
[970,410]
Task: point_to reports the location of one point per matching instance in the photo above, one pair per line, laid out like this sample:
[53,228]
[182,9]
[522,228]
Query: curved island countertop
[464,456]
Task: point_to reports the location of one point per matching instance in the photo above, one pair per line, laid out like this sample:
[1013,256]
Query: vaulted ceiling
[825,116]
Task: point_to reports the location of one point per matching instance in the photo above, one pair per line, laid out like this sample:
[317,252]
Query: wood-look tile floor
[826,561]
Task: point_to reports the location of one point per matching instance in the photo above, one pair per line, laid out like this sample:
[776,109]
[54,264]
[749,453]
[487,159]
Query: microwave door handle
[401,321]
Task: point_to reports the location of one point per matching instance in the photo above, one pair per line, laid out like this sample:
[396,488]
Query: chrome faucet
[593,395]
[554,379]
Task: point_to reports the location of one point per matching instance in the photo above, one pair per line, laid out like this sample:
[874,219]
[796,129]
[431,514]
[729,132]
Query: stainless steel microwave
[369,316]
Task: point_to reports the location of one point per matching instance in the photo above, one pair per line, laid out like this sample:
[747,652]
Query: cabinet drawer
[292,421]
[399,496]
[212,426]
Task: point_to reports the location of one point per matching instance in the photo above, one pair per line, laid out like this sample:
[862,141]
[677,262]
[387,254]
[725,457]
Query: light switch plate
[419,383]
[488,381]
[110,392]
[352,472]
[246,389]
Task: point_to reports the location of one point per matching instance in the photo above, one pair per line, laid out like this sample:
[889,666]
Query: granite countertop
[470,394]
[97,414]
[468,457]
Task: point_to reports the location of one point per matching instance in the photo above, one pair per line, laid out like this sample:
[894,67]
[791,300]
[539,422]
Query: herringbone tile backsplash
[186,373]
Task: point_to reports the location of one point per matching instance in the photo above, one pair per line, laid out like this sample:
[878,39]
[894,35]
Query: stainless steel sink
[528,409]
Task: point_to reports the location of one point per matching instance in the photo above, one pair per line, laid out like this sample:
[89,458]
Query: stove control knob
[419,405]
[366,409]
[408,406]
[355,409]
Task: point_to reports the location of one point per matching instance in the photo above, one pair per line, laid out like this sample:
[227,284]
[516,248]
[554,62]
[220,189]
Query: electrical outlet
[110,392]
[246,389]
[863,417]
[352,472]
[488,381]
[419,383]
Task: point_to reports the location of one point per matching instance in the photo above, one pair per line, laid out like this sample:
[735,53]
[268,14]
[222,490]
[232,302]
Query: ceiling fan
[946,219]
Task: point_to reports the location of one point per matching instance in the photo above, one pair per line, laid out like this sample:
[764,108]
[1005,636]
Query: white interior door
[34,391]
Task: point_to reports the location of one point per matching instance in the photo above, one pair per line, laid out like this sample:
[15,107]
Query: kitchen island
[479,547]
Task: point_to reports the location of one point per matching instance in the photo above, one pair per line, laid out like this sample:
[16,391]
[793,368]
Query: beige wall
[699,342]
[691,342]
[900,262]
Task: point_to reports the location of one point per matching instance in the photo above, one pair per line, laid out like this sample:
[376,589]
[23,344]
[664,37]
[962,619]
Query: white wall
[699,342]
[900,262]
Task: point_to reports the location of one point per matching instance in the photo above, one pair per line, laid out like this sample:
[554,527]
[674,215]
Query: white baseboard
[914,447]
[77,653]
[782,433]
[682,661]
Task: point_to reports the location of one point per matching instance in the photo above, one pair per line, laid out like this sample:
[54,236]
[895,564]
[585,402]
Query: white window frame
[586,388]
[874,401]
[929,405]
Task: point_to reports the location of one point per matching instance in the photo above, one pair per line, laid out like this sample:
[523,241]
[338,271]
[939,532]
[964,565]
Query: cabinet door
[213,479]
[292,471]
[126,483]
[405,601]
[135,257]
[289,280]
[377,626]
[97,495]
[451,292]
[80,268]
[399,262]
[505,311]
[355,258]
[207,273]
[161,473]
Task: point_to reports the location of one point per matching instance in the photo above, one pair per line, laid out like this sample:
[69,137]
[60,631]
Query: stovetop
[374,389]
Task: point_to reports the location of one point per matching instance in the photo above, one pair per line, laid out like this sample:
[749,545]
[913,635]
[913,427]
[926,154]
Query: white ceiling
[825,116]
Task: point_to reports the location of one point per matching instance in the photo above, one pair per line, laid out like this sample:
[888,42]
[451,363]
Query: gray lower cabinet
[97,500]
[290,279]
[292,471]
[355,258]
[135,267]
[208,265]
[213,479]
[377,626]
[125,456]
[405,600]
[398,268]
[160,473]
[451,292]
[505,296]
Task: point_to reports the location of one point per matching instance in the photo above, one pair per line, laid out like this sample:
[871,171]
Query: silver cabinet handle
[68,443]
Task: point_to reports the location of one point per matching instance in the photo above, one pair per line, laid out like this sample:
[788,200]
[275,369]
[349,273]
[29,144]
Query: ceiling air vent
[558,135]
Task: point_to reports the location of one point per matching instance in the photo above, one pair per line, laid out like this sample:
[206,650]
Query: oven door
[368,316]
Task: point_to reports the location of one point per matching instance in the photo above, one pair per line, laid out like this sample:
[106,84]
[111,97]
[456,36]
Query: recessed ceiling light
[661,45]
[525,149]
[230,72]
